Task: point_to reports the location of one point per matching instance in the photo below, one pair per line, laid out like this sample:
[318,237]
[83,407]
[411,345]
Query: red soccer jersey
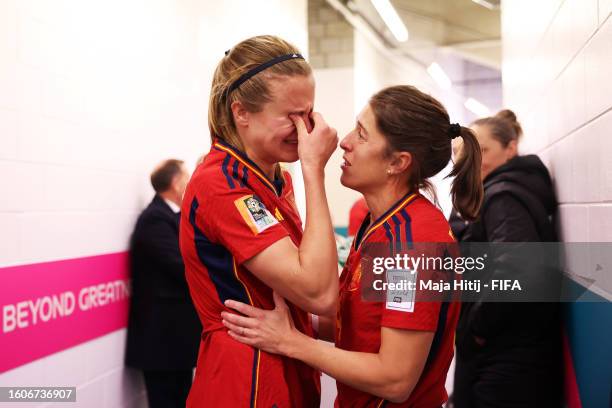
[358,212]
[413,219]
[230,213]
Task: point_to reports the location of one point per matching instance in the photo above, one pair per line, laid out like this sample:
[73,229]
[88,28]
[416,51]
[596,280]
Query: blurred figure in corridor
[164,330]
[508,354]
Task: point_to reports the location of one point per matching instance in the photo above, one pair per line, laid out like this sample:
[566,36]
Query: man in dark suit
[164,329]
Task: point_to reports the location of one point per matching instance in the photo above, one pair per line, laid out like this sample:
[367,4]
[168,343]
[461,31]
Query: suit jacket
[164,329]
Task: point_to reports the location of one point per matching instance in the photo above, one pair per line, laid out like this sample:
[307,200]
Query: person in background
[201,159]
[508,354]
[358,212]
[163,329]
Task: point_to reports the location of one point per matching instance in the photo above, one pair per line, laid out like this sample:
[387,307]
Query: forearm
[317,252]
[363,371]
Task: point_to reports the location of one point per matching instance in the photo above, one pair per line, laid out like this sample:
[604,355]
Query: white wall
[334,99]
[225,23]
[92,95]
[85,111]
[556,74]
[343,92]
[375,70]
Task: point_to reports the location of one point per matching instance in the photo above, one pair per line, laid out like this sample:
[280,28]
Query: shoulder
[427,222]
[421,212]
[216,193]
[154,219]
[505,208]
[507,219]
[216,178]
[213,176]
[156,210]
[504,202]
[418,221]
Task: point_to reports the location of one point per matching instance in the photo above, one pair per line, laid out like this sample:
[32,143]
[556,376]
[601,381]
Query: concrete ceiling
[461,27]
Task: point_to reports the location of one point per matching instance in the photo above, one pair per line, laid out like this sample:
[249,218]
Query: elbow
[324,304]
[398,398]
[320,299]
[328,308]
[398,392]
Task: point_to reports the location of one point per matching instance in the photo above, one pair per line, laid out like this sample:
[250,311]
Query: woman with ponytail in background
[508,354]
[385,355]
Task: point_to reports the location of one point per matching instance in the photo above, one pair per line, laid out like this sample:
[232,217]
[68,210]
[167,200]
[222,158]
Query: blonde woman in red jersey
[241,235]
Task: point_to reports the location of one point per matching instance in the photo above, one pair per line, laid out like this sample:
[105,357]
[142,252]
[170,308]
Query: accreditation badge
[401,288]
[255,213]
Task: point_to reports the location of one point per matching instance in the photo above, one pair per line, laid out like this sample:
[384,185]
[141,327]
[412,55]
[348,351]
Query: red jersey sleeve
[421,316]
[428,228]
[239,220]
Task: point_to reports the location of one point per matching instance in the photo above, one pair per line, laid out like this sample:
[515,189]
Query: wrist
[294,344]
[312,169]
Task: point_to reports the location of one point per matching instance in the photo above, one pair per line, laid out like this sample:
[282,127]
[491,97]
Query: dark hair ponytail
[415,122]
[466,190]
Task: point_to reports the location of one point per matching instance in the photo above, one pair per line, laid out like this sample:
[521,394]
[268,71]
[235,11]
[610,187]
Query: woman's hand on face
[315,148]
[269,330]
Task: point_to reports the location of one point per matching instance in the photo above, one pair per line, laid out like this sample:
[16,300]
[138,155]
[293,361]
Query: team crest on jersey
[255,213]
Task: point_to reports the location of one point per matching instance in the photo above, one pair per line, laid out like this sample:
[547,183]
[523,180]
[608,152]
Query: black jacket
[163,330]
[519,204]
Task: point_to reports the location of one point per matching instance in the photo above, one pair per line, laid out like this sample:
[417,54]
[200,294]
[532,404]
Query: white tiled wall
[556,70]
[92,95]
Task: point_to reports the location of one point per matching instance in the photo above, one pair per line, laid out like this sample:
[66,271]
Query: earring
[388,171]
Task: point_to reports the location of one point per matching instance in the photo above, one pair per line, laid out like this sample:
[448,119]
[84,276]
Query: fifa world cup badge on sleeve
[401,287]
[255,213]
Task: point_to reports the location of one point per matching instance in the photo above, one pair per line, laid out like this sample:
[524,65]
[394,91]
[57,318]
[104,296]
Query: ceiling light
[490,4]
[389,15]
[438,75]
[476,107]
